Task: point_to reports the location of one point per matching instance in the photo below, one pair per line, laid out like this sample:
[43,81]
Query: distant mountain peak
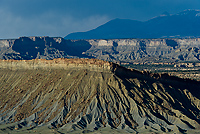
[185,24]
[189,12]
[165,14]
[198,14]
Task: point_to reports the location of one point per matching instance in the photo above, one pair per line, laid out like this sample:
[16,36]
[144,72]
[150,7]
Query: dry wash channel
[69,95]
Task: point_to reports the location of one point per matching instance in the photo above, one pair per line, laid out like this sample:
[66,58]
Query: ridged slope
[80,98]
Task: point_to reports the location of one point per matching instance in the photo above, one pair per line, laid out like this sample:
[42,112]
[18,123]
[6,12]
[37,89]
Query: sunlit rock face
[115,50]
[88,94]
[145,50]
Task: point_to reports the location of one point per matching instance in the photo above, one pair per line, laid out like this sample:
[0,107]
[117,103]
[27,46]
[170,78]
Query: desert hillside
[89,95]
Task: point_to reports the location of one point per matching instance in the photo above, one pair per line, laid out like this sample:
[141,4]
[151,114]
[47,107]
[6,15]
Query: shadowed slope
[77,97]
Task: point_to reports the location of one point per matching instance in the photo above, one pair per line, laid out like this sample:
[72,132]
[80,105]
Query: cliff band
[114,50]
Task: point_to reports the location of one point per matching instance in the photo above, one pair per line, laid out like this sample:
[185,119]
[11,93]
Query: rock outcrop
[65,64]
[145,50]
[26,48]
[88,95]
[115,50]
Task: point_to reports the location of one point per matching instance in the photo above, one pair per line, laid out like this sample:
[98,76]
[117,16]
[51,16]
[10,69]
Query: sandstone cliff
[87,95]
[146,50]
[116,50]
[65,64]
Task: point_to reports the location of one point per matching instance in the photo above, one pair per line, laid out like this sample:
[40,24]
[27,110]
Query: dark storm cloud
[60,17]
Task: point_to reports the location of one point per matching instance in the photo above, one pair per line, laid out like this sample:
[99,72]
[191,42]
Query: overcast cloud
[61,17]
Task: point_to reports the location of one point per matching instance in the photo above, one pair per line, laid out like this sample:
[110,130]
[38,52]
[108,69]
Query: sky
[57,18]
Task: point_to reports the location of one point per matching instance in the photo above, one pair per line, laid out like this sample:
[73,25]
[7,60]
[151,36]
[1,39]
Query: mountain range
[183,24]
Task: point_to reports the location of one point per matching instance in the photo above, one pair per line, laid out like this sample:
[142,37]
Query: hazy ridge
[180,25]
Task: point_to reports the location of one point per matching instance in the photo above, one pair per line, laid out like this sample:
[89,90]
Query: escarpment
[114,50]
[69,95]
[60,63]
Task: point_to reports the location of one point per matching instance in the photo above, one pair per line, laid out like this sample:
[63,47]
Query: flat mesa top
[61,61]
[56,63]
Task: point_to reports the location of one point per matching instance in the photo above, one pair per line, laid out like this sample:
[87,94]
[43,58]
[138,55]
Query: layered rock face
[146,50]
[91,64]
[26,48]
[116,50]
[69,95]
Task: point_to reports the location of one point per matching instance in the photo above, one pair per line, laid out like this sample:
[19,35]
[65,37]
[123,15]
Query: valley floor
[182,71]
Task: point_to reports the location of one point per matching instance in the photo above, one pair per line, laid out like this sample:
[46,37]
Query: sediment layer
[115,50]
[91,64]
